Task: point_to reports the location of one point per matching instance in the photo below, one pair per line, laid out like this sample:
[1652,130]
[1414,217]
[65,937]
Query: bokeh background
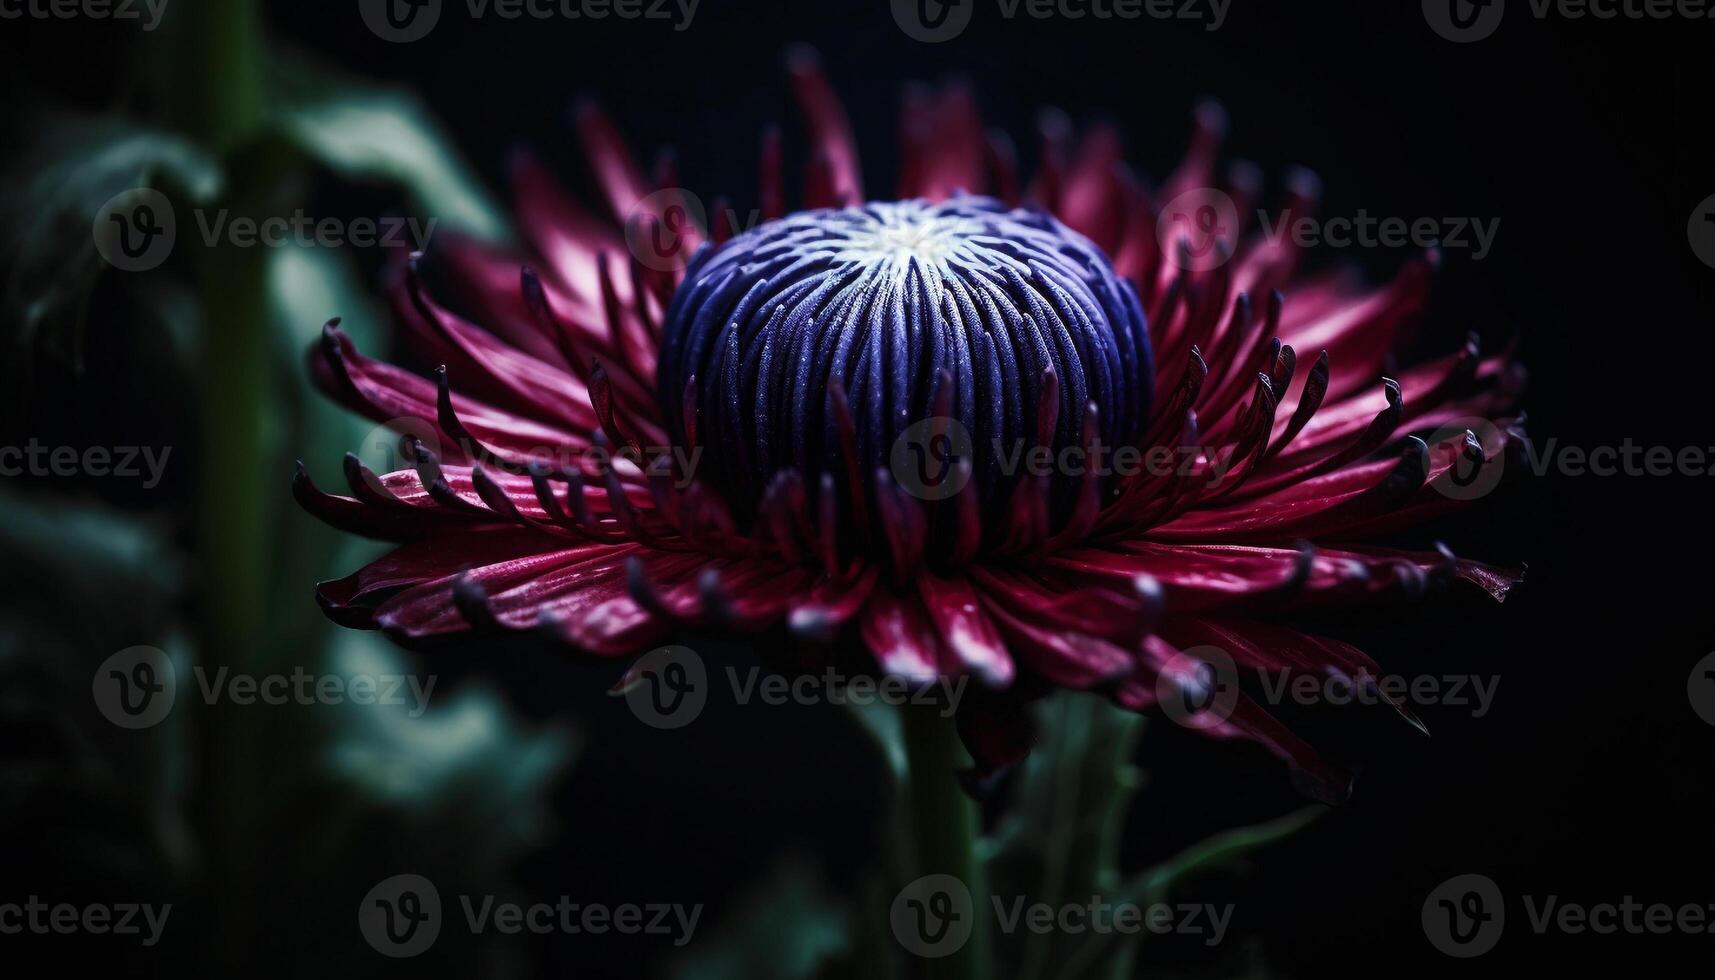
[1590,779]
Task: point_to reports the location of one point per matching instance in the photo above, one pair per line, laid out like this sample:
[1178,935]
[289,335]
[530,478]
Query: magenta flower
[855,392]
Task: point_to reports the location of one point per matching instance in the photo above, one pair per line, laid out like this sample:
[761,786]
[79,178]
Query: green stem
[943,822]
[221,93]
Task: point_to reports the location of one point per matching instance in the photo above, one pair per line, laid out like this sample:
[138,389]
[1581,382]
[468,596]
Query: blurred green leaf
[788,927]
[367,133]
[70,169]
[83,583]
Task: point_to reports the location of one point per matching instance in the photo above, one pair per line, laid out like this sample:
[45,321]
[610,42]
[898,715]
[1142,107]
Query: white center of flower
[898,233]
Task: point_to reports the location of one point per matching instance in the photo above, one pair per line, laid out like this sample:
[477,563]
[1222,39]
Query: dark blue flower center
[913,310]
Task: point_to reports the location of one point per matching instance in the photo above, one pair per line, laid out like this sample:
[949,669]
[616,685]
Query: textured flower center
[815,343]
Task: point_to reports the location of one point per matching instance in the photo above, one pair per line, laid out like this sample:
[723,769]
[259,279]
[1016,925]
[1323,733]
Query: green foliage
[369,134]
[56,187]
[788,927]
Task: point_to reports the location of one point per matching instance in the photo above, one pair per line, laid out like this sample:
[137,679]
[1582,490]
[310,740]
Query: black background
[1590,140]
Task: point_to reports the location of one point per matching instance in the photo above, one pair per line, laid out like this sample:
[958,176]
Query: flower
[811,369]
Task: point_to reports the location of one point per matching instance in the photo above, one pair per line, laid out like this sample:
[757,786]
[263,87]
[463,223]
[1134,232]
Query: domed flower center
[817,343]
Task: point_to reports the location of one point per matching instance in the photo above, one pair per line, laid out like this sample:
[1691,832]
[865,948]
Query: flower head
[834,423]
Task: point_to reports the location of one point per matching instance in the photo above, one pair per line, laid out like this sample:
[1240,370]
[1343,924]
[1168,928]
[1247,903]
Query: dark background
[1590,140]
